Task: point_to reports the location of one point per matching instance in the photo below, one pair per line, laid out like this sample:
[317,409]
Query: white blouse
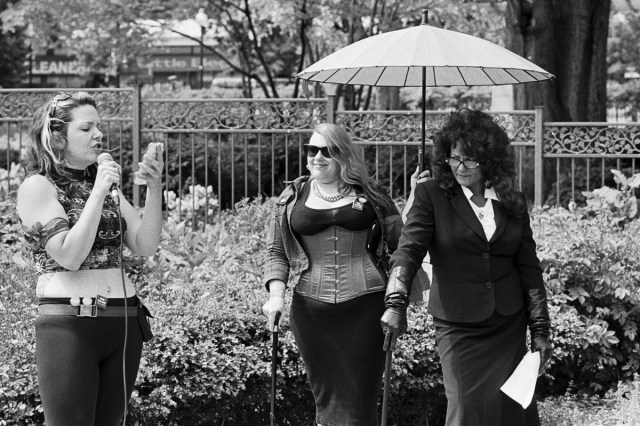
[485,214]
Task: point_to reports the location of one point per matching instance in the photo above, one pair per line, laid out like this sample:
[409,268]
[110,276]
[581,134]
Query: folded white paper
[522,383]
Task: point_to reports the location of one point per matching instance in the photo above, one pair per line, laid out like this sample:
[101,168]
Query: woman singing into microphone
[74,230]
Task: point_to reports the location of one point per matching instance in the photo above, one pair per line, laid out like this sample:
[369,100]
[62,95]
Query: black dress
[341,341]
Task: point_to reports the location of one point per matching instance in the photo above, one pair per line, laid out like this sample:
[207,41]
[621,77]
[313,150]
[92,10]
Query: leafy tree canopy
[257,39]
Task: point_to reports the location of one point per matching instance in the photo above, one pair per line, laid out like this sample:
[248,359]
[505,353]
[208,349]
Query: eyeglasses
[312,150]
[468,164]
[60,97]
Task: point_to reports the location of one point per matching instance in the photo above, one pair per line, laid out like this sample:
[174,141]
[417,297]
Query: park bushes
[209,362]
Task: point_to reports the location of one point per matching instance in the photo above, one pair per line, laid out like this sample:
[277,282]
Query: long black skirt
[476,361]
[341,346]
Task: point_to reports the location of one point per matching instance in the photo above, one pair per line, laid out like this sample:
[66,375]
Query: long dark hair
[478,136]
[45,153]
[353,172]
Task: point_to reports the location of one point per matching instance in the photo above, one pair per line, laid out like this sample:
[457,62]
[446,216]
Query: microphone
[113,192]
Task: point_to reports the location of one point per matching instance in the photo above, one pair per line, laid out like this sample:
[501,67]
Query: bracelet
[396,300]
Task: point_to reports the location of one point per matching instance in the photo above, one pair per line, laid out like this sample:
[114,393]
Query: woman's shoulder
[34,192]
[292,188]
[36,185]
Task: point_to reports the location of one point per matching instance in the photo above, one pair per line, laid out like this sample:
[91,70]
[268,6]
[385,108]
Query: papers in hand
[522,383]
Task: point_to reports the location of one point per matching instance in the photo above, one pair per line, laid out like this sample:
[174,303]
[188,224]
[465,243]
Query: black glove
[539,325]
[542,345]
[396,300]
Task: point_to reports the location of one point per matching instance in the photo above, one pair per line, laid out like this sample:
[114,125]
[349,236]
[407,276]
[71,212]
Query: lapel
[461,205]
[501,220]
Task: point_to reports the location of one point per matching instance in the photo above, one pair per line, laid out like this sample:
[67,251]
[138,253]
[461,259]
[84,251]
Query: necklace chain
[327,197]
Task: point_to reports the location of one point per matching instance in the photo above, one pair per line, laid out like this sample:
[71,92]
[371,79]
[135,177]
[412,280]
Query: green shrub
[617,407]
[590,269]
[210,360]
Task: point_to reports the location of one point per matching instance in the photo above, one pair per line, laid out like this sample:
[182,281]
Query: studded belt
[91,311]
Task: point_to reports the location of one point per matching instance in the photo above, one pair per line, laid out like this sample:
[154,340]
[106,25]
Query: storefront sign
[58,67]
[177,64]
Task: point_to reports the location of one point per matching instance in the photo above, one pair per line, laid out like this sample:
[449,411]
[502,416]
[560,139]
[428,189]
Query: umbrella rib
[531,75]
[462,76]
[488,76]
[406,76]
[334,73]
[379,75]
[514,77]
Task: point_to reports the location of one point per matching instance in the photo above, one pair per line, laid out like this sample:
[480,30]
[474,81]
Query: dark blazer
[472,277]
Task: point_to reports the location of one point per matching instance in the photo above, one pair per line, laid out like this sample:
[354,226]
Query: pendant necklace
[326,197]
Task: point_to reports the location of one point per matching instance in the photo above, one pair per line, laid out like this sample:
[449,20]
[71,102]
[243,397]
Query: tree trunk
[388,98]
[567,38]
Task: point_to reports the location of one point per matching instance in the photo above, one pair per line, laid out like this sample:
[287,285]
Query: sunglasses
[313,150]
[60,97]
[468,164]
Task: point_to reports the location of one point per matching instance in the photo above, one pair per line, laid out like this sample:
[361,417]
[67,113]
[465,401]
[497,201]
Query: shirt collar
[489,193]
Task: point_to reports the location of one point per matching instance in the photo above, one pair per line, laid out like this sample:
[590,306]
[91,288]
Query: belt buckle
[89,311]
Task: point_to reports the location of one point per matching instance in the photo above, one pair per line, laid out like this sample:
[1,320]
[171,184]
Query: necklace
[327,197]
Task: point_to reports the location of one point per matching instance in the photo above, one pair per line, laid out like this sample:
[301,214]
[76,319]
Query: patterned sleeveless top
[72,195]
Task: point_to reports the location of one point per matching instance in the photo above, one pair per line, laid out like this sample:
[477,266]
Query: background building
[172,59]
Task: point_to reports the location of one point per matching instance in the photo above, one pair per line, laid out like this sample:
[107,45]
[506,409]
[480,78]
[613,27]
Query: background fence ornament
[245,148]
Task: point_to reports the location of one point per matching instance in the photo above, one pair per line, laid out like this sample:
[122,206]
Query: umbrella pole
[424,120]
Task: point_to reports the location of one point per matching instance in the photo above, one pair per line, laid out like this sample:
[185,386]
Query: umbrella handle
[274,369]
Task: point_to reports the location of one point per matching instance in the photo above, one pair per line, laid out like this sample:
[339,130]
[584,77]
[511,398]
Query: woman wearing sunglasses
[74,229]
[487,280]
[328,241]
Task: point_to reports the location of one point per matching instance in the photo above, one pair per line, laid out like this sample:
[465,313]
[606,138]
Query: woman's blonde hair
[353,172]
[45,153]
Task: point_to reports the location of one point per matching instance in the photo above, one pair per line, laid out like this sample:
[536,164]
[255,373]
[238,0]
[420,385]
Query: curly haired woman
[487,281]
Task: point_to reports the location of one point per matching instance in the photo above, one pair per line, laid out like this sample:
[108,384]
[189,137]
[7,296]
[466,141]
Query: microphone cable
[113,193]
[126,316]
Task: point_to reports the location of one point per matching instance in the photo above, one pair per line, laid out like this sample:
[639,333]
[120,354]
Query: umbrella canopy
[424,56]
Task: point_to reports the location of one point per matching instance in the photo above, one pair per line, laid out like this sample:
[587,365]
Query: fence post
[136,133]
[538,175]
[330,90]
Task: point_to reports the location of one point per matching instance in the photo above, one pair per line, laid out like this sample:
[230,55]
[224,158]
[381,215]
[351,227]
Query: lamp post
[203,20]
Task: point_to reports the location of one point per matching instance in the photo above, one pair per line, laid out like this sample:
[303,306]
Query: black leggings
[79,364]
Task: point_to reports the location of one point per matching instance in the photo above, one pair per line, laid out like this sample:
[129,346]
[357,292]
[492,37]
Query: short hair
[45,153]
[480,137]
[353,171]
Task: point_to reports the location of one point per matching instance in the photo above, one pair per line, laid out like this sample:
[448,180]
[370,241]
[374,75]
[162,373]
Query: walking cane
[274,369]
[387,375]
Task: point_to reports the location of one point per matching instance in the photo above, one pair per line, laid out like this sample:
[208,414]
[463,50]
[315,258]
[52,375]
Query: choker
[326,197]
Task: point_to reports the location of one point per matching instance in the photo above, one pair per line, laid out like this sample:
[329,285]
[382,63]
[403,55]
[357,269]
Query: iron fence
[218,151]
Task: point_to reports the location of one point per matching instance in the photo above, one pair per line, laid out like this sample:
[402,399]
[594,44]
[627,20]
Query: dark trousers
[79,365]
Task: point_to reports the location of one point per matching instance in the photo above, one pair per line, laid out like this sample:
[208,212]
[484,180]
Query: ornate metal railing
[244,147]
[233,114]
[20,104]
[582,154]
